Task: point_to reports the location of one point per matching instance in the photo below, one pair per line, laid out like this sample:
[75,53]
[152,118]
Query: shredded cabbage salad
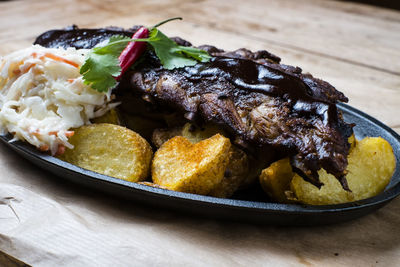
[43,97]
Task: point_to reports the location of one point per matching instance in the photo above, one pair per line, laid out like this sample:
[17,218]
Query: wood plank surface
[355,47]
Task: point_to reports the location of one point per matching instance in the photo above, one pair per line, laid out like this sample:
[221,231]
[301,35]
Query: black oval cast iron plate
[233,209]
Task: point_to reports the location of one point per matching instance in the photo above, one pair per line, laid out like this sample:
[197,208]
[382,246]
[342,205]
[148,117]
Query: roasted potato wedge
[110,149]
[238,167]
[235,174]
[371,166]
[193,168]
[275,180]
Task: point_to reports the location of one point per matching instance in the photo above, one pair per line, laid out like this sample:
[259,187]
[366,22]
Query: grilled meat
[260,102]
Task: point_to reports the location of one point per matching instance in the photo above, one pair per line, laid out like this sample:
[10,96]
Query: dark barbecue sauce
[248,75]
[253,77]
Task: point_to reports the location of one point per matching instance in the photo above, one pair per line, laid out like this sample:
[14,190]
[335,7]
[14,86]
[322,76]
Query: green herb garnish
[103,64]
[171,54]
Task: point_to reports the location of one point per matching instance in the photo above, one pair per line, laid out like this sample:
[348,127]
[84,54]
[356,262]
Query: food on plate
[215,119]
[43,96]
[193,168]
[237,173]
[111,150]
[263,105]
[371,165]
[260,105]
[275,180]
[236,176]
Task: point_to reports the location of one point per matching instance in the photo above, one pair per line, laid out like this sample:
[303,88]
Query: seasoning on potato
[237,172]
[193,168]
[111,150]
[371,166]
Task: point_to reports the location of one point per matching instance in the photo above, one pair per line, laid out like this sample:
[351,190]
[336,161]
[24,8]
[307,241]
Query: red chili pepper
[133,50]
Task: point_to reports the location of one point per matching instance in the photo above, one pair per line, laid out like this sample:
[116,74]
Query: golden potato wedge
[193,168]
[275,180]
[110,149]
[235,174]
[371,166]
[110,116]
[237,170]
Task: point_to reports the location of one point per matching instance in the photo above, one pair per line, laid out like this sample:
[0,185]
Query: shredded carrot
[34,54]
[57,58]
[14,68]
[70,80]
[67,133]
[35,134]
[29,67]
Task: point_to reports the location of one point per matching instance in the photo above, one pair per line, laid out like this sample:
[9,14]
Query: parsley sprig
[171,54]
[102,65]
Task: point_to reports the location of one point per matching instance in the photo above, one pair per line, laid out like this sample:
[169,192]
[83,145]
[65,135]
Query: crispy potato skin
[111,150]
[371,166]
[275,180]
[193,168]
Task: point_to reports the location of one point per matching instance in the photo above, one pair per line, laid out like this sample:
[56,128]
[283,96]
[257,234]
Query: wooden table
[353,46]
